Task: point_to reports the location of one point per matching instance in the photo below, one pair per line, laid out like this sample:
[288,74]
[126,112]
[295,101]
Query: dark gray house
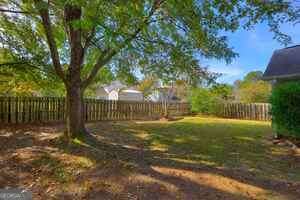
[284,65]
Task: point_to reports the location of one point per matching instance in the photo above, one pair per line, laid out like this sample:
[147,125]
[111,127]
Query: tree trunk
[75,112]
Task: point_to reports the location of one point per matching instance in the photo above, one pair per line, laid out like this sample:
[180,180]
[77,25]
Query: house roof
[131,91]
[284,64]
[114,85]
[118,86]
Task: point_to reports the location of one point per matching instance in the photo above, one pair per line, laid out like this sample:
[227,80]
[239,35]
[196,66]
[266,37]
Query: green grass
[223,143]
[195,156]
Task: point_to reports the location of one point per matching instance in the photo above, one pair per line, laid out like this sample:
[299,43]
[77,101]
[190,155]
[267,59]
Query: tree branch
[91,35]
[20,63]
[146,21]
[106,56]
[16,11]
[44,14]
[88,40]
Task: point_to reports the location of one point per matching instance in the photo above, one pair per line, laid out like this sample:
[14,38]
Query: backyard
[190,158]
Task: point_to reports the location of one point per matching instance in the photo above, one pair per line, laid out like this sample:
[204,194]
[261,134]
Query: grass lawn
[192,158]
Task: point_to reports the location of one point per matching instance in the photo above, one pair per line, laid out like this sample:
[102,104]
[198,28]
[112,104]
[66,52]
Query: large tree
[76,38]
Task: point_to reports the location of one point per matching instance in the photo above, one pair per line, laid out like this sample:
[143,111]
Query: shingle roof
[285,63]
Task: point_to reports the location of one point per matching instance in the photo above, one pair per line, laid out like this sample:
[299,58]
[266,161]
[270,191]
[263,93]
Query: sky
[255,48]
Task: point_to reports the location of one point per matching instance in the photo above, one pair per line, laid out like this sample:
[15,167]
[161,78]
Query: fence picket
[48,109]
[250,111]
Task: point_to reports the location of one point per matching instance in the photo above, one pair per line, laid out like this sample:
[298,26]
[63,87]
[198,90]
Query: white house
[118,91]
[130,95]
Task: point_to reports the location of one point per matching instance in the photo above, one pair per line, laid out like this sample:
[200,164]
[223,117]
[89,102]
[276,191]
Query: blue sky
[255,47]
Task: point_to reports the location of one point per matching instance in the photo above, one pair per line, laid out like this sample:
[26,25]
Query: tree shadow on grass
[162,167]
[128,167]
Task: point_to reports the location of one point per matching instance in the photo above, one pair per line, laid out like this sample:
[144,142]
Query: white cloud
[230,72]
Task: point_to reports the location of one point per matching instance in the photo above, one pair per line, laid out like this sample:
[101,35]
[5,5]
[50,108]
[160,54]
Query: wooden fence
[249,111]
[52,109]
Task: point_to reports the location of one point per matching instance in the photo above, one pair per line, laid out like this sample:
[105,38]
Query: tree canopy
[159,37]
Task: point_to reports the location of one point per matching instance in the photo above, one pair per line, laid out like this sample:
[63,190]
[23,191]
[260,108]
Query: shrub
[204,101]
[285,102]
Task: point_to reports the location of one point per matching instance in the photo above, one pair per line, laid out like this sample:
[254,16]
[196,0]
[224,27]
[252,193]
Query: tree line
[251,89]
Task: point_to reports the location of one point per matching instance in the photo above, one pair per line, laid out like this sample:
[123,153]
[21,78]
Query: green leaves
[252,89]
[286,108]
[203,101]
[166,40]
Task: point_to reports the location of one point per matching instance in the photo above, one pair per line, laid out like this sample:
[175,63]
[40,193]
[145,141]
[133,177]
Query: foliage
[19,79]
[204,101]
[158,37]
[253,76]
[182,89]
[224,91]
[286,108]
[252,89]
[207,100]
[148,85]
[104,76]
[178,88]
[257,92]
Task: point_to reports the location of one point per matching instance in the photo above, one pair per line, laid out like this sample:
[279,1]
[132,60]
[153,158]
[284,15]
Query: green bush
[204,101]
[285,102]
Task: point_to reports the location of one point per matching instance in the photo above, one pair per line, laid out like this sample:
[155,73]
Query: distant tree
[224,91]
[253,76]
[182,88]
[252,89]
[203,101]
[148,85]
[75,39]
[206,100]
[258,92]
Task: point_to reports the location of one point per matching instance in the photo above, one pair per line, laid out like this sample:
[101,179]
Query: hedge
[285,100]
